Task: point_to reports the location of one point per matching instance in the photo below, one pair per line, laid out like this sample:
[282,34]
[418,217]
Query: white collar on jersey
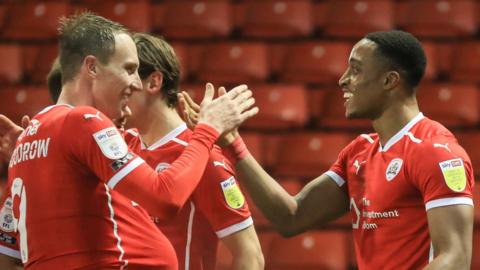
[53,106]
[397,137]
[170,136]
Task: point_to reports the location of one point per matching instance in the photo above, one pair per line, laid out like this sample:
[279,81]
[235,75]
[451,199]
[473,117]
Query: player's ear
[391,80]
[90,65]
[155,82]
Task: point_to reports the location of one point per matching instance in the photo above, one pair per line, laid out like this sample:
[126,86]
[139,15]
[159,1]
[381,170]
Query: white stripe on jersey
[189,235]
[413,138]
[115,229]
[123,172]
[10,252]
[235,228]
[177,140]
[335,177]
[368,138]
[448,201]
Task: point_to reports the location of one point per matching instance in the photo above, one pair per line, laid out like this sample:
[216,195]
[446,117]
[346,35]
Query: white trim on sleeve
[10,252]
[235,228]
[335,177]
[448,201]
[123,172]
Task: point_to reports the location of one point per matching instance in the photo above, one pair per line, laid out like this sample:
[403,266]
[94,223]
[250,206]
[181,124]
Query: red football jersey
[216,209]
[392,186]
[67,179]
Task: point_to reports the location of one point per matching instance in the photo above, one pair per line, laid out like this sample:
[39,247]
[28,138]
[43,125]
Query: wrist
[236,151]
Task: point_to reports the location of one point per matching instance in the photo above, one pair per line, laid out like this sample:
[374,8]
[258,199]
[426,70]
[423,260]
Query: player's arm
[10,263]
[451,229]
[245,249]
[319,202]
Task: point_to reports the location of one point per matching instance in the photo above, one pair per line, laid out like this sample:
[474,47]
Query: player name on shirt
[30,150]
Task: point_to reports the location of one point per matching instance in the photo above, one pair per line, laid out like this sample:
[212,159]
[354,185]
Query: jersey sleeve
[8,237]
[220,198]
[338,170]
[92,140]
[443,173]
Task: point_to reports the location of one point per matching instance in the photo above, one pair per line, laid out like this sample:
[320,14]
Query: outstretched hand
[9,133]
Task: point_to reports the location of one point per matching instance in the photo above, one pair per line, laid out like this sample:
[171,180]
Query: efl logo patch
[111,143]
[393,168]
[454,174]
[6,216]
[231,192]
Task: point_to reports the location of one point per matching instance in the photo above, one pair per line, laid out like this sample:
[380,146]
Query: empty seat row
[314,62]
[263,19]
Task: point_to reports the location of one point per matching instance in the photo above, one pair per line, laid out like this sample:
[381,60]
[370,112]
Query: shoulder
[360,143]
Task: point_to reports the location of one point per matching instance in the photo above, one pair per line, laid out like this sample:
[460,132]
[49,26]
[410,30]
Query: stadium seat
[254,142]
[464,62]
[476,199]
[438,18]
[38,60]
[34,20]
[3,16]
[469,142]
[355,18]
[277,19]
[135,15]
[306,154]
[15,102]
[11,70]
[454,105]
[233,62]
[320,250]
[195,19]
[181,51]
[328,109]
[432,69]
[281,106]
[315,62]
[292,185]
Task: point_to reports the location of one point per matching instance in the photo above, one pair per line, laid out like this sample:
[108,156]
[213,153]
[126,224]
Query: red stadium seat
[195,19]
[229,63]
[307,154]
[254,144]
[291,185]
[38,61]
[11,70]
[135,15]
[315,62]
[181,51]
[355,18]
[476,199]
[328,109]
[34,20]
[322,250]
[465,65]
[3,16]
[281,106]
[432,69]
[469,141]
[451,104]
[438,18]
[20,101]
[273,18]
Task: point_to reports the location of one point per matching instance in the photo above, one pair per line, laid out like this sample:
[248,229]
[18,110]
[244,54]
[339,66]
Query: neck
[157,122]
[73,94]
[395,118]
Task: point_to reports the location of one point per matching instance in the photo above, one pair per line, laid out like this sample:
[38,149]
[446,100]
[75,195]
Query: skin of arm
[319,202]
[10,263]
[245,249]
[451,230]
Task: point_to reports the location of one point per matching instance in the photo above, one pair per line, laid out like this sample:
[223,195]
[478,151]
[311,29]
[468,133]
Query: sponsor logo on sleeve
[393,168]
[6,216]
[231,192]
[7,239]
[119,163]
[111,143]
[454,174]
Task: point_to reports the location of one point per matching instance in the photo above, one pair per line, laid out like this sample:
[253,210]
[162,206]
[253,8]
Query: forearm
[449,262]
[243,262]
[275,203]
[163,194]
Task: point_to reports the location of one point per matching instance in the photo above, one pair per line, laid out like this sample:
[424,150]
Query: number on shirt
[18,189]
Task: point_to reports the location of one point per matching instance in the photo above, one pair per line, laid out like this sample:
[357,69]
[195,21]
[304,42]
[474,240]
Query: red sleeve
[95,142]
[338,171]
[8,237]
[442,173]
[220,198]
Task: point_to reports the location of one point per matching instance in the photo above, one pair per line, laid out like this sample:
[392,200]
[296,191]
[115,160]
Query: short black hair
[403,51]
[54,80]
